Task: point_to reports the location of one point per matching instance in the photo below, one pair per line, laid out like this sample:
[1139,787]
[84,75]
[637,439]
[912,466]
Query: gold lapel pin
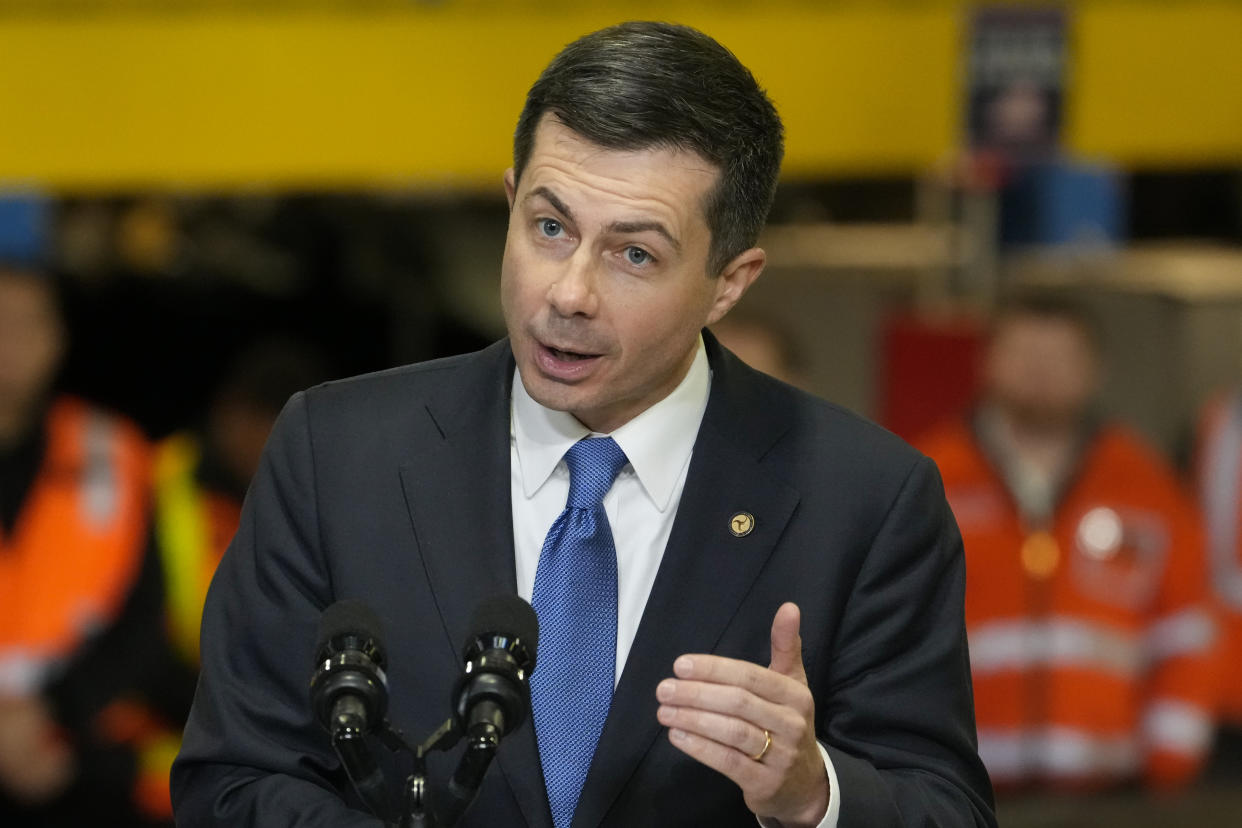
[742,524]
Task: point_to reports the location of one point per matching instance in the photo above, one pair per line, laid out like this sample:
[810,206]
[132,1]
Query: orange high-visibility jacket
[77,546]
[1219,472]
[1092,649]
[71,563]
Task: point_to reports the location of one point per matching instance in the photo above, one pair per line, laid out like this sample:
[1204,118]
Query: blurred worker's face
[605,284]
[757,347]
[1042,370]
[238,433]
[31,343]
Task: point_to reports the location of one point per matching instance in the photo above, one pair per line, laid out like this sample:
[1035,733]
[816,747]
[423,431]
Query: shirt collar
[657,442]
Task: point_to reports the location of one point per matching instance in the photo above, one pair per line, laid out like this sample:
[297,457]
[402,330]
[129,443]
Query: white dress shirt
[643,499]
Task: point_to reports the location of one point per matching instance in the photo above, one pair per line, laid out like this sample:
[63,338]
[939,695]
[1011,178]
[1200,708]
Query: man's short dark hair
[1053,304]
[640,85]
[265,374]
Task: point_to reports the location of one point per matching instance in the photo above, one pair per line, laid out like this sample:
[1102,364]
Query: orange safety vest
[1091,640]
[77,546]
[1219,472]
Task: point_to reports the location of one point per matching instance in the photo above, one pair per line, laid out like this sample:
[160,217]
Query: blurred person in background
[79,596]
[763,345]
[1091,639]
[200,480]
[202,473]
[1218,470]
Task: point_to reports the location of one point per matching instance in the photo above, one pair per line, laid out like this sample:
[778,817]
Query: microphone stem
[349,730]
[417,813]
[481,745]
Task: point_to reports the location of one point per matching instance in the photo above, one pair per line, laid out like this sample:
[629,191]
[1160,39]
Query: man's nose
[574,293]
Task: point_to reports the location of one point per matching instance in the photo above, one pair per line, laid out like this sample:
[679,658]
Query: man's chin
[553,393]
[1043,419]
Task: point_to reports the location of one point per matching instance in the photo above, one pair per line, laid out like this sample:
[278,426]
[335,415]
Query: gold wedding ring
[767,743]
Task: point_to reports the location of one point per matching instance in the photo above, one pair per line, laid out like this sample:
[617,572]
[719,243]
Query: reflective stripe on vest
[1071,754]
[183,528]
[1067,753]
[1057,753]
[101,494]
[1175,726]
[1021,644]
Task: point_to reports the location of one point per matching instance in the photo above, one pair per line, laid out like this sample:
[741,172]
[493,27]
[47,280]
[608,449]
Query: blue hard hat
[25,228]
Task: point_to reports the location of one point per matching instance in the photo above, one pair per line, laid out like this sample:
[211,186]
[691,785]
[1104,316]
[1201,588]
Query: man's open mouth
[568,356]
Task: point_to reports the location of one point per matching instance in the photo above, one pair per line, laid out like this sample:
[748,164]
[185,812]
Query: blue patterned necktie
[575,598]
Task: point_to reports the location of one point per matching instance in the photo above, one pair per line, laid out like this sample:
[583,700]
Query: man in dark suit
[750,600]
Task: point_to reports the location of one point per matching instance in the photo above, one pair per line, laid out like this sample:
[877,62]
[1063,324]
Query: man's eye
[637,256]
[551,228]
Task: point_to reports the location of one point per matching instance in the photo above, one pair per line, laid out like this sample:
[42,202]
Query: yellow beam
[1158,83]
[426,96]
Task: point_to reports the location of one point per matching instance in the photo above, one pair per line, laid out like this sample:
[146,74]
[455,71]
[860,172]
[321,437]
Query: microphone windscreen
[348,617]
[507,615]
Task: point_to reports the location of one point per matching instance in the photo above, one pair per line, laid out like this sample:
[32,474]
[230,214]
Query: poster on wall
[1016,79]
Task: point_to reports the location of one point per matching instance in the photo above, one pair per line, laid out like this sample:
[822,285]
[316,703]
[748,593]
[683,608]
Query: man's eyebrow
[644,227]
[551,198]
[616,227]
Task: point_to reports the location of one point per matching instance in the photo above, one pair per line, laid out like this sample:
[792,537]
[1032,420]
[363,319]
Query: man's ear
[510,187]
[736,278]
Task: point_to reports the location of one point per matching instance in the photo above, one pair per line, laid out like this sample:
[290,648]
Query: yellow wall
[1158,82]
[427,96]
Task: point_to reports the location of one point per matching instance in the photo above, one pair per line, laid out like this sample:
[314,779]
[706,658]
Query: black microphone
[349,692]
[493,694]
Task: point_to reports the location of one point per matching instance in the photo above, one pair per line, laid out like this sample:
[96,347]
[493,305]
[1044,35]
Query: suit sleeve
[898,720]
[252,754]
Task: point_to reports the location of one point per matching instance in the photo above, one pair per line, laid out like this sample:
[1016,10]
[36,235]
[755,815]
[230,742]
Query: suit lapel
[459,499]
[705,573]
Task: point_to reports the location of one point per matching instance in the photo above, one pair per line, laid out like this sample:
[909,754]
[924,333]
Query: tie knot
[593,464]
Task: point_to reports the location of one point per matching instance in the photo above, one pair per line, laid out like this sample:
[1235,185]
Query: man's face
[31,343]
[1043,370]
[238,430]
[604,283]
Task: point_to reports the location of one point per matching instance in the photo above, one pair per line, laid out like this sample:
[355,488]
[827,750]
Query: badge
[742,524]
[1041,554]
[1120,555]
[1100,533]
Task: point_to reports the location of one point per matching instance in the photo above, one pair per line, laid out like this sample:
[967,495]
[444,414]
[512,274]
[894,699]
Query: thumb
[787,643]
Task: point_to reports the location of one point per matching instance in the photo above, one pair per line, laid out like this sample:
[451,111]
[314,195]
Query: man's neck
[1041,443]
[1049,447]
[1035,457]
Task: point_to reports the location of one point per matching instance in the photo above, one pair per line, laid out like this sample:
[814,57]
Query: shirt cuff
[833,814]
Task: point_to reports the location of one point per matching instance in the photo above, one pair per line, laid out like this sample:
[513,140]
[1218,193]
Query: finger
[731,701]
[744,737]
[733,672]
[743,771]
[787,643]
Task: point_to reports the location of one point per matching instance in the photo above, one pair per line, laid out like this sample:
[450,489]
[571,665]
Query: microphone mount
[492,698]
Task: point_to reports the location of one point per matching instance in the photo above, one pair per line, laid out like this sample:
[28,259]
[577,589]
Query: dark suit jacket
[394,488]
